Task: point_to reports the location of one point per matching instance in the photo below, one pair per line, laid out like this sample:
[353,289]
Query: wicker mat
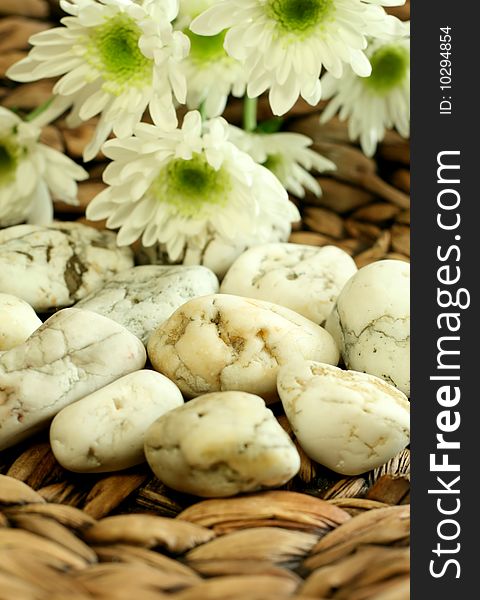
[126,536]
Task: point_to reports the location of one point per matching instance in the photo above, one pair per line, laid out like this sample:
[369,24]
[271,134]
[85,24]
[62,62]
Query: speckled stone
[18,321]
[371,322]
[348,421]
[71,355]
[303,278]
[223,342]
[105,430]
[217,253]
[142,298]
[57,265]
[221,444]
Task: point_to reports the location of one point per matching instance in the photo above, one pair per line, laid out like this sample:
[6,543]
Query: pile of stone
[221,356]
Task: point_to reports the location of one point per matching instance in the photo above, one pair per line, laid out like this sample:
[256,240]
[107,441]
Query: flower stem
[202,110]
[39,110]
[250,113]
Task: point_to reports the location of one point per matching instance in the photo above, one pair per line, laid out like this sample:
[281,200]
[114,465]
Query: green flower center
[192,187]
[389,68]
[206,48]
[9,156]
[113,50]
[300,16]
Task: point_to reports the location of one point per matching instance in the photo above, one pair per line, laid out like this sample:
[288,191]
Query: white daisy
[287,155]
[31,173]
[117,58]
[211,74]
[379,102]
[178,187]
[285,43]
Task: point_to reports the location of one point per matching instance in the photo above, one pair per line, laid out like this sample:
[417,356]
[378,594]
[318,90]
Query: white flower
[31,173]
[211,74]
[117,58]
[285,43]
[379,102]
[178,187]
[190,9]
[287,155]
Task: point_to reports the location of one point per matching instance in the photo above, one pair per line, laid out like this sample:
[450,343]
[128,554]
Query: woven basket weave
[125,536]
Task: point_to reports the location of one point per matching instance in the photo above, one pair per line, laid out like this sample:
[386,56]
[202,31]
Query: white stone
[371,322]
[216,252]
[222,342]
[142,298]
[219,445]
[71,355]
[348,421]
[57,265]
[303,278]
[105,431]
[18,321]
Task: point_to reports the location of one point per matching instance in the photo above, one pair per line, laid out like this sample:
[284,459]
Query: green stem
[202,111]
[39,110]
[250,113]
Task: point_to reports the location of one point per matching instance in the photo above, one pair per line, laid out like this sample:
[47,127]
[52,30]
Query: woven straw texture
[125,536]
